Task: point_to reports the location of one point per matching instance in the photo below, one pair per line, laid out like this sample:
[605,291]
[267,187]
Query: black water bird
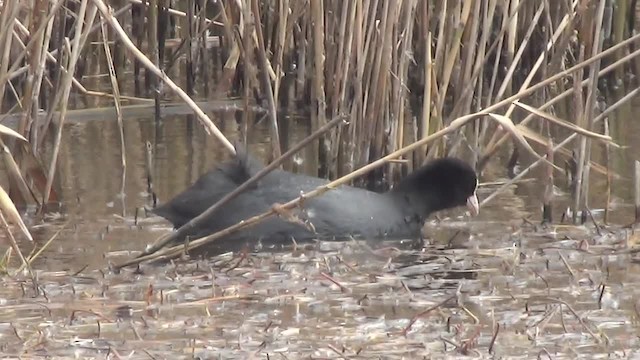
[341,213]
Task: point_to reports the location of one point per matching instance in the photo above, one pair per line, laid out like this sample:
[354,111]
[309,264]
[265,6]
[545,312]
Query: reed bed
[399,71]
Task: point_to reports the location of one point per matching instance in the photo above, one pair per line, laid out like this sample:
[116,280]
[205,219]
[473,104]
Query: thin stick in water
[636,188]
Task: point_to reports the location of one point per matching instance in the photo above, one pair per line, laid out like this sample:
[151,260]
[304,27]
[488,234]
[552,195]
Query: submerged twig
[425,312]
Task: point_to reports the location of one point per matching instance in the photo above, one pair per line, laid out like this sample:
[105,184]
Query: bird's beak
[472,204]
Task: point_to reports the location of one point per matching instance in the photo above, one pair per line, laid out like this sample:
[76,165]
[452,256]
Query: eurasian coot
[340,213]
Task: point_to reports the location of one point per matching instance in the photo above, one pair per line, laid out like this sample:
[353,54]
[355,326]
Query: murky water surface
[499,285]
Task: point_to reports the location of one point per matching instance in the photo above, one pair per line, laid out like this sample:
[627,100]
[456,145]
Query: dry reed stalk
[357,106]
[24,194]
[467,60]
[203,50]
[148,157]
[152,50]
[607,157]
[512,35]
[204,119]
[380,82]
[229,69]
[343,53]
[138,33]
[571,91]
[469,57]
[590,103]
[8,14]
[576,177]
[16,180]
[636,190]
[116,103]
[496,67]
[189,39]
[280,43]
[405,35]
[41,28]
[36,62]
[248,69]
[14,244]
[266,82]
[499,138]
[477,77]
[9,209]
[547,216]
[364,129]
[345,69]
[515,59]
[425,123]
[424,117]
[17,70]
[319,106]
[440,42]
[74,50]
[625,100]
[556,35]
[452,55]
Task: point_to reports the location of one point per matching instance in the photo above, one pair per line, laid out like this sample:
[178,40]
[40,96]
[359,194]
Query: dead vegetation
[414,79]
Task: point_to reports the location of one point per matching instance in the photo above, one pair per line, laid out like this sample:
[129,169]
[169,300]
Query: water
[329,300]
